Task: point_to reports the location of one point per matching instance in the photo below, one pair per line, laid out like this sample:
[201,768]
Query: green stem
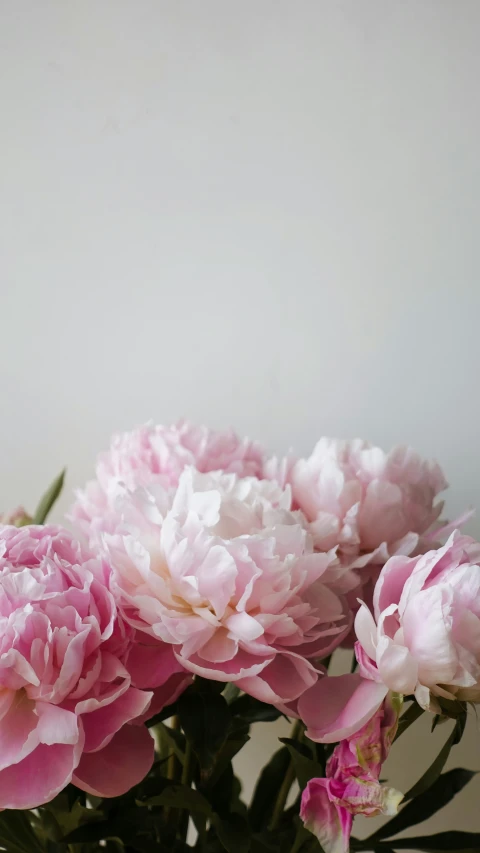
[173,763]
[201,823]
[409,717]
[187,774]
[173,772]
[282,796]
[187,764]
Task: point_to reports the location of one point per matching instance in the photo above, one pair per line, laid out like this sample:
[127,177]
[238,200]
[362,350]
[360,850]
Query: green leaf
[452,707]
[253,711]
[170,740]
[49,499]
[303,840]
[305,766]
[411,714]
[16,834]
[205,719]
[180,797]
[63,815]
[426,804]
[456,842]
[233,832]
[99,831]
[222,792]
[231,692]
[431,775]
[266,789]
[125,823]
[262,845]
[113,846]
[232,745]
[385,849]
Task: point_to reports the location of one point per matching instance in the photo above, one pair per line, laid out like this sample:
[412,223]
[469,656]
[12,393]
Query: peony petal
[388,589]
[220,648]
[282,681]
[165,695]
[338,706]
[329,822]
[123,763]
[244,627]
[364,795]
[18,729]
[55,725]
[242,666]
[151,665]
[427,626]
[101,725]
[366,630]
[39,777]
[396,666]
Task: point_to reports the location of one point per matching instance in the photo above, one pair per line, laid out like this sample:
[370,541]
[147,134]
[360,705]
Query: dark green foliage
[193,778]
[425,805]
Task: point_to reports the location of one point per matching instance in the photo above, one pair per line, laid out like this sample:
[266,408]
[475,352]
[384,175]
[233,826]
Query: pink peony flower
[151,455]
[423,638]
[351,786]
[67,694]
[226,573]
[424,634]
[367,502]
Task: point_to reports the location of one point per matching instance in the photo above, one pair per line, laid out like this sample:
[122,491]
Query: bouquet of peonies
[203,587]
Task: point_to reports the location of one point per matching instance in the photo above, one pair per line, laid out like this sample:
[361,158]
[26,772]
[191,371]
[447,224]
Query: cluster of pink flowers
[203,555]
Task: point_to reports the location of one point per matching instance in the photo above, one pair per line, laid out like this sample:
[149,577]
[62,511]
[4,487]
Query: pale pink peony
[351,786]
[422,639]
[223,570]
[424,634]
[156,455]
[368,504]
[362,499]
[67,693]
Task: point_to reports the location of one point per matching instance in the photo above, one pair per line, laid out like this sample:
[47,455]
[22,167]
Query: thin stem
[201,823]
[187,774]
[173,763]
[187,764]
[173,769]
[411,714]
[295,734]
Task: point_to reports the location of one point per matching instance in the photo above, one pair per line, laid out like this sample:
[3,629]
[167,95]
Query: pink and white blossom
[156,455]
[224,571]
[363,500]
[368,504]
[423,636]
[67,693]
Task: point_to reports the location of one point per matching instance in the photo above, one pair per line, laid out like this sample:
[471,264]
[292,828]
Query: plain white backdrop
[261,213]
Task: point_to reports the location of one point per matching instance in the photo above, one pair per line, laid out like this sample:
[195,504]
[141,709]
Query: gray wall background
[263,213]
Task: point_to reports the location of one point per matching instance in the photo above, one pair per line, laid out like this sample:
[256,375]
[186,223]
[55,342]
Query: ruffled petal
[328,821]
[338,706]
[39,777]
[121,765]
